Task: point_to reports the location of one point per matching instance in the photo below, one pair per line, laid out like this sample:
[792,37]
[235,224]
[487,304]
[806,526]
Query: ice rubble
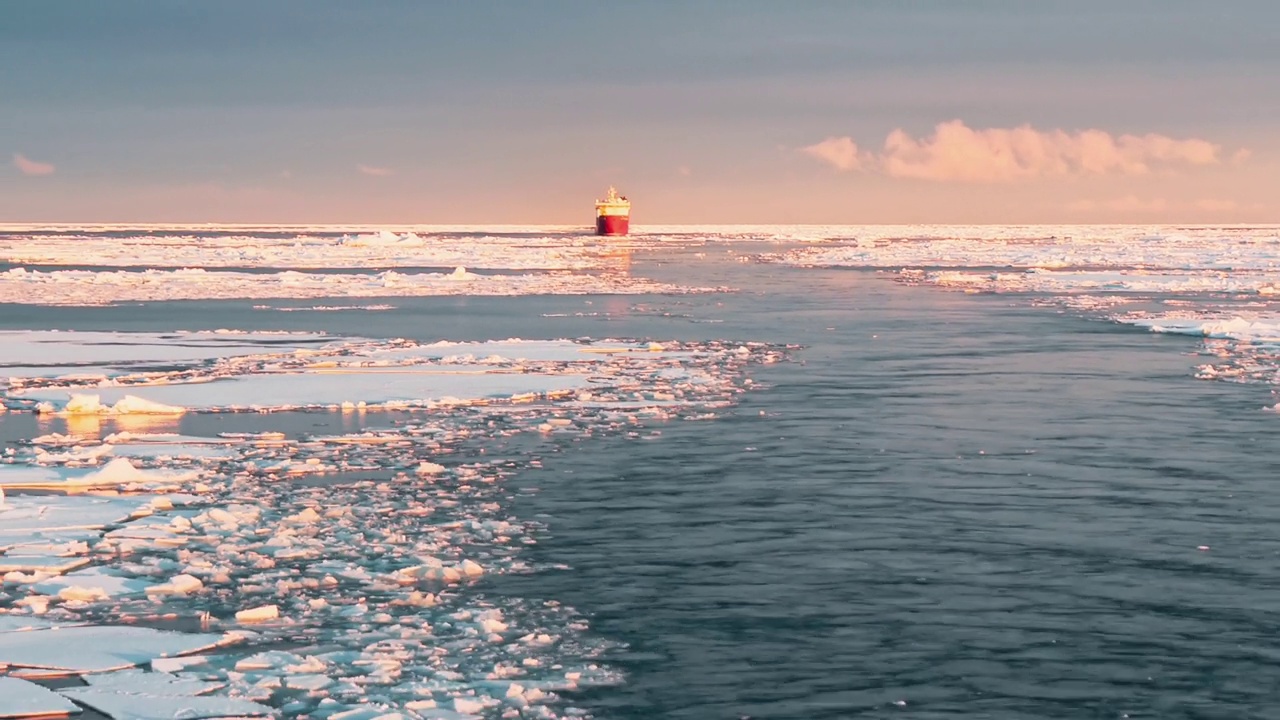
[304,247]
[370,578]
[365,374]
[1082,247]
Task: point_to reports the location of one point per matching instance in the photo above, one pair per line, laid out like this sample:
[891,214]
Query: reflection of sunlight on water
[89,426]
[616,306]
[146,423]
[353,419]
[617,261]
[85,427]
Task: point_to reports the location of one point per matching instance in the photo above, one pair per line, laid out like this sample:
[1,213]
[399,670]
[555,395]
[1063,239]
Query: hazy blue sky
[728,111]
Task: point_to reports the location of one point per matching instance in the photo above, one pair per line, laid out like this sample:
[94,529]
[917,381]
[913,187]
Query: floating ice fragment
[258,614]
[24,516]
[429,468]
[24,699]
[178,585]
[93,584]
[161,705]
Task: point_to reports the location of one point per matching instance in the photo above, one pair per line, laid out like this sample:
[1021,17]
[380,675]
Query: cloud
[375,171]
[956,152]
[839,152]
[684,171]
[26,166]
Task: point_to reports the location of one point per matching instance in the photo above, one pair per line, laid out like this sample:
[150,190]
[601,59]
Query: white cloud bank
[956,152]
[27,166]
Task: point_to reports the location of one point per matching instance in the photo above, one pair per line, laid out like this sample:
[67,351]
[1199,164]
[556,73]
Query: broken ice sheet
[117,472]
[16,561]
[372,386]
[55,351]
[162,701]
[141,681]
[91,584]
[93,649]
[24,699]
[373,578]
[23,516]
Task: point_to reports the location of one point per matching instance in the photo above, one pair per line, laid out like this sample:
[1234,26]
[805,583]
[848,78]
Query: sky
[741,111]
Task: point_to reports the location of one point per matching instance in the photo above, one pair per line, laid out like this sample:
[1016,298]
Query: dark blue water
[954,506]
[949,506]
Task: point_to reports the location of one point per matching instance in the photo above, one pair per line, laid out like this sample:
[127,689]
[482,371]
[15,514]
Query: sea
[942,501]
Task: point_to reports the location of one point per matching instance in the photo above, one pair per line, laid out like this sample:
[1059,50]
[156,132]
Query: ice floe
[104,287]
[83,649]
[351,567]
[364,374]
[54,348]
[1255,248]
[24,699]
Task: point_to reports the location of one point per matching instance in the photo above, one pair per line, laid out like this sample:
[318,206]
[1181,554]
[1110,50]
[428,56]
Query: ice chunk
[93,584]
[178,585]
[258,614]
[23,699]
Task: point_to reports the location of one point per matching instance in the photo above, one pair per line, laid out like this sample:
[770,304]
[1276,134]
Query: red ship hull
[612,224]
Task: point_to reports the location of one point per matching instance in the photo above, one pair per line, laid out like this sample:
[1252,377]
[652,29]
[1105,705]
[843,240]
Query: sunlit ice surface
[338,570]
[321,573]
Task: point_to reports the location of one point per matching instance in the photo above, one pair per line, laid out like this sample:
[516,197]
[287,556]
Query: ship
[613,214]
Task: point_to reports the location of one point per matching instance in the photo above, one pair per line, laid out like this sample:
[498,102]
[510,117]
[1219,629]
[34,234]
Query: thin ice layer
[93,348]
[372,386]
